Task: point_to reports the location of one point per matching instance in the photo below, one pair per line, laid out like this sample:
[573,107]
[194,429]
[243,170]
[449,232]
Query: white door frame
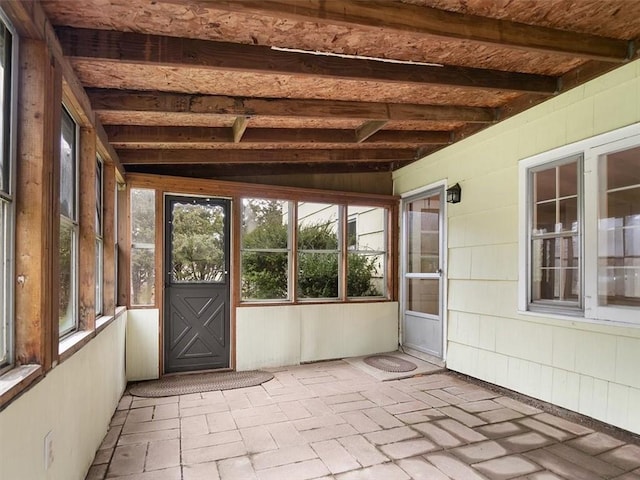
[444,251]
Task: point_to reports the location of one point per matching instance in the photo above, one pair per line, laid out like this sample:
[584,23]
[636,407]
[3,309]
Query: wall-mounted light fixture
[454,193]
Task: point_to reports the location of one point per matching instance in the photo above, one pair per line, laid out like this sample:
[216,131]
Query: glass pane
[317,275]
[568,211]
[5,99]
[317,226]
[423,295]
[143,274]
[264,224]
[568,179]
[555,269]
[622,168]
[423,235]
[68,167]
[67,280]
[352,234]
[619,230]
[545,218]
[99,275]
[99,197]
[143,216]
[365,275]
[265,275]
[544,185]
[197,243]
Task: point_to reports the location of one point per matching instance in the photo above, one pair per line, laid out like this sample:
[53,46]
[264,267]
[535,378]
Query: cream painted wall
[143,350]
[75,401]
[586,367]
[273,336]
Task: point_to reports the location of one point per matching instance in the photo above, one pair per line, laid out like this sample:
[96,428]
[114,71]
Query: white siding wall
[586,367]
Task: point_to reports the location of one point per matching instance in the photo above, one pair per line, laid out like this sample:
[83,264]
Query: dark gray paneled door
[197,284]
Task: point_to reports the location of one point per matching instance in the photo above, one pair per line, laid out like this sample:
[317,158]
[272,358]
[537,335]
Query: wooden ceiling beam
[418,19]
[136,48]
[163,102]
[260,169]
[123,135]
[232,156]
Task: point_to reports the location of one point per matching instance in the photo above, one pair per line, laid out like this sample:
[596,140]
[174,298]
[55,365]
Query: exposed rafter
[231,156]
[164,102]
[432,21]
[139,137]
[138,48]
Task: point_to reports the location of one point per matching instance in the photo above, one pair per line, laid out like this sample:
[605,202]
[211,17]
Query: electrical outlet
[48,450]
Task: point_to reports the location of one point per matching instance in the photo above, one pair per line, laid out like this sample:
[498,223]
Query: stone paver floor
[331,420]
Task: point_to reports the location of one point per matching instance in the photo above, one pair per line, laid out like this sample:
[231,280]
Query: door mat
[388,363]
[198,382]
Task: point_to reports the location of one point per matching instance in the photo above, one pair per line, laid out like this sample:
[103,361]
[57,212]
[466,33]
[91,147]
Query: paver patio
[332,420]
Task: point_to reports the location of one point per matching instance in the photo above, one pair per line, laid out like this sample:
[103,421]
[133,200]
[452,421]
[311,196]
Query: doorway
[196,284]
[422,306]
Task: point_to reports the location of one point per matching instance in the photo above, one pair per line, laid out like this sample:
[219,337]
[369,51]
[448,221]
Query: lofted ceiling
[253,87]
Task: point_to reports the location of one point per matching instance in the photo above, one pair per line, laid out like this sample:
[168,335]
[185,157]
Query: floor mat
[390,363]
[198,382]
[423,367]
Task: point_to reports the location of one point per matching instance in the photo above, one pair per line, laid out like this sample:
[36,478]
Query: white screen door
[422,272]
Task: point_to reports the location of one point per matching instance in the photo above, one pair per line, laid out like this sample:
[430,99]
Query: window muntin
[6,198]
[68,246]
[265,249]
[143,228]
[555,235]
[619,228]
[99,267]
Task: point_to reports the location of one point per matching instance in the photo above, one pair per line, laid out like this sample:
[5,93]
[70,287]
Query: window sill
[16,381]
[577,319]
[76,341]
[280,303]
[104,321]
[73,343]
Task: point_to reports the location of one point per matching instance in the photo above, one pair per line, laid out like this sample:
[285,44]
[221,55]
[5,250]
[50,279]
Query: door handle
[439,271]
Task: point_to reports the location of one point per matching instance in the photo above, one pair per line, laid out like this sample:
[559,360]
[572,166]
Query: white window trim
[591,149]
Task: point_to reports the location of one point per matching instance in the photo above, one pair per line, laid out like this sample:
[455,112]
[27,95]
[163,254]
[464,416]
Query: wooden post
[109,240]
[87,227]
[124,246]
[37,206]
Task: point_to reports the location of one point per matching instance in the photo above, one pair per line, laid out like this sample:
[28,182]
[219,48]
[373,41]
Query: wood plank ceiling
[219,88]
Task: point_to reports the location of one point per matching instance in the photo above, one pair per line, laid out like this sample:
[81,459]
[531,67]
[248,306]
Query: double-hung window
[6,198]
[555,235]
[68,247]
[580,229]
